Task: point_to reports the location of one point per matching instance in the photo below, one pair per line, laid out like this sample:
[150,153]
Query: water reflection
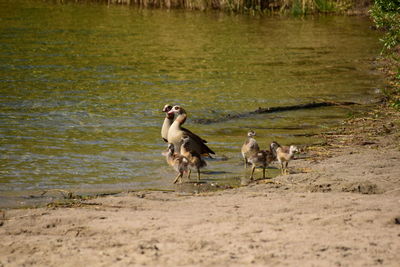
[82,88]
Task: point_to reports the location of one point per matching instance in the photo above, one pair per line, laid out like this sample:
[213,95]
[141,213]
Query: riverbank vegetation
[294,7]
[386,15]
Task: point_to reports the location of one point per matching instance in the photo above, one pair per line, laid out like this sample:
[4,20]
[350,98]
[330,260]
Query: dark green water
[82,87]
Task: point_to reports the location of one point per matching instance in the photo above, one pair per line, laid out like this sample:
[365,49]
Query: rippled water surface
[82,88]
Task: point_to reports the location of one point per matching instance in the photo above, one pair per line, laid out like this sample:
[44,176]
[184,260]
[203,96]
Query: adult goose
[169,119]
[176,132]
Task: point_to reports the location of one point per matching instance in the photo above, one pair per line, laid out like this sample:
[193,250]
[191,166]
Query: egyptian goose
[195,160]
[262,158]
[250,147]
[178,162]
[176,132]
[284,154]
[169,119]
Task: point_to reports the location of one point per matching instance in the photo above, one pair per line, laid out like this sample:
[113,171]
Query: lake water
[82,87]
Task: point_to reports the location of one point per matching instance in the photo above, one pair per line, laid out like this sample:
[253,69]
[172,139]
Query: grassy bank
[386,15]
[295,7]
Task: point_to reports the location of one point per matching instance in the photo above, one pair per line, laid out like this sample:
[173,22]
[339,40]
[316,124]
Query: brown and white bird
[273,146]
[178,162]
[169,119]
[284,154]
[260,159]
[250,147]
[176,132]
[195,160]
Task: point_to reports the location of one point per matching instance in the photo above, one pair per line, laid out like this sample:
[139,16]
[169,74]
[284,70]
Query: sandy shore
[339,207]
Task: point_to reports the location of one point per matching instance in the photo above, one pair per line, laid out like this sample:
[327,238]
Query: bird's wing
[204,148]
[193,135]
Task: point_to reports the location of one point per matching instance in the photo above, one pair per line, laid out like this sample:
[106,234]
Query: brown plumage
[273,146]
[250,147]
[169,119]
[176,132]
[260,159]
[178,162]
[284,154]
[195,160]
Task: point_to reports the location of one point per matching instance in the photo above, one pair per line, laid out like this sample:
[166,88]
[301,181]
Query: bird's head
[293,149]
[171,148]
[274,145]
[167,108]
[176,110]
[251,133]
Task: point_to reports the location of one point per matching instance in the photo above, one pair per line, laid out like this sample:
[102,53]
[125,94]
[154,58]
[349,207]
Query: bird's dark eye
[176,108]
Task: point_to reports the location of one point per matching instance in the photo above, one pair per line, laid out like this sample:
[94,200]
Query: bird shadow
[215,172]
[217,158]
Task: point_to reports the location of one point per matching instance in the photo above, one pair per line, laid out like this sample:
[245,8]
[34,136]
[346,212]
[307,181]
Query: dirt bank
[340,206]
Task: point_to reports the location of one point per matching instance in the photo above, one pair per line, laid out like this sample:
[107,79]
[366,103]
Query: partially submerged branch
[273,110]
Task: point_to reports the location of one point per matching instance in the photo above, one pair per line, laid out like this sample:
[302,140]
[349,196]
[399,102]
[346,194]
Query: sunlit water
[82,88]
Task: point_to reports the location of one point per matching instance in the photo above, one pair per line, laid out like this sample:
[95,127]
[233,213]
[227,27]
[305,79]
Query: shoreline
[40,198]
[337,207]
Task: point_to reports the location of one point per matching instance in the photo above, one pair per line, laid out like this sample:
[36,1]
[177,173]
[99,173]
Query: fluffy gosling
[260,159]
[250,147]
[178,162]
[284,154]
[194,158]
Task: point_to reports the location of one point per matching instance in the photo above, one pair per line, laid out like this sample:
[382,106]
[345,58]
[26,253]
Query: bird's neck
[166,125]
[168,120]
[181,118]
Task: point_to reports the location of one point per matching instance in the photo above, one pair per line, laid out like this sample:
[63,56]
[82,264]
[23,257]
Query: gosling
[178,162]
[284,154]
[273,146]
[250,147]
[260,159]
[194,158]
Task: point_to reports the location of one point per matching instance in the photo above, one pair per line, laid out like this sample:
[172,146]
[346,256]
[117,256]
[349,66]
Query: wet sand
[338,207]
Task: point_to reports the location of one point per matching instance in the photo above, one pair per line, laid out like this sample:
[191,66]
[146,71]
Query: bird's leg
[245,163]
[252,171]
[189,174]
[286,167]
[263,172]
[177,177]
[281,167]
[198,175]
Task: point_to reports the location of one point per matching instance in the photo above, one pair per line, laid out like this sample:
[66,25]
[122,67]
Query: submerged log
[273,110]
